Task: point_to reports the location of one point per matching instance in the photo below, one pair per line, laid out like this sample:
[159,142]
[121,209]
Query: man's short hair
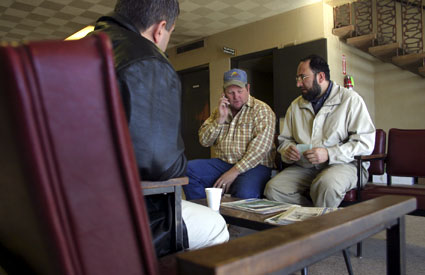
[145,13]
[318,64]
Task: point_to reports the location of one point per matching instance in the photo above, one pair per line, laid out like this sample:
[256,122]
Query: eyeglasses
[300,78]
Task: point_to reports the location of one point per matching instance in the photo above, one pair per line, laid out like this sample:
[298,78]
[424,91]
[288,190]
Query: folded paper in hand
[303,147]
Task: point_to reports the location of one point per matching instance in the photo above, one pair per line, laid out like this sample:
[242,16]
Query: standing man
[151,93]
[241,130]
[331,125]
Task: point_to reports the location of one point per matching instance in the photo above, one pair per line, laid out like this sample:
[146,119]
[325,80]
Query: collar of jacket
[333,99]
[119,20]
[125,23]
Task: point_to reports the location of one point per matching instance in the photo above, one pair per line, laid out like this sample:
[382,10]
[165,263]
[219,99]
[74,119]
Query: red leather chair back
[377,167]
[406,153]
[70,199]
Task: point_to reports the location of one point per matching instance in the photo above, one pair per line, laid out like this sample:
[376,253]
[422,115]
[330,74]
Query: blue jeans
[203,173]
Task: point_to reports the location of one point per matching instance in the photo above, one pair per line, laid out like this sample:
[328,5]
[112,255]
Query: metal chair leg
[304,271]
[347,261]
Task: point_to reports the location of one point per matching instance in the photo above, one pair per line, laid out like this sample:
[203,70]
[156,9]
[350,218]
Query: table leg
[396,248]
[347,261]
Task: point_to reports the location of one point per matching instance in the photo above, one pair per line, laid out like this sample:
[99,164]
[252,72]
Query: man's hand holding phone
[223,109]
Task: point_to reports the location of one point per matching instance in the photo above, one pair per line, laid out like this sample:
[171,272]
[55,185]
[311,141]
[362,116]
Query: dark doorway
[259,68]
[272,73]
[195,109]
[285,64]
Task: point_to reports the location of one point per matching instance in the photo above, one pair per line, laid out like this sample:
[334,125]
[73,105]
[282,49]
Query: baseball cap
[235,77]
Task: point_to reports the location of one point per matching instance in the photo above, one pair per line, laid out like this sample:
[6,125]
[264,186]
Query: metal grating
[411,20]
[190,47]
[363,17]
[342,16]
[386,21]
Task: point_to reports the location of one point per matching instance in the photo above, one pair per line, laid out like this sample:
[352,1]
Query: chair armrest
[370,157]
[168,183]
[360,159]
[292,247]
[171,186]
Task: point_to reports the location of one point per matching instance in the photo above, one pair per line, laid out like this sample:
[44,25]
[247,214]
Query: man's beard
[313,92]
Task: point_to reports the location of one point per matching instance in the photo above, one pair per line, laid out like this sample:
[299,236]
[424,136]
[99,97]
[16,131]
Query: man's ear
[158,31]
[247,87]
[321,77]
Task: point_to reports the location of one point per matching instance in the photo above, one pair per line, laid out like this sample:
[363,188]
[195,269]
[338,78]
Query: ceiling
[57,19]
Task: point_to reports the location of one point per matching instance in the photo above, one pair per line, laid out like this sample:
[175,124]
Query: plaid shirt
[245,140]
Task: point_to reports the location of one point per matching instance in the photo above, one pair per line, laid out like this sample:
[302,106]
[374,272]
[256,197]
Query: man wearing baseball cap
[241,131]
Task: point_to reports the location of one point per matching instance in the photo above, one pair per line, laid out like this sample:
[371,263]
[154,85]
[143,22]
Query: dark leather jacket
[151,94]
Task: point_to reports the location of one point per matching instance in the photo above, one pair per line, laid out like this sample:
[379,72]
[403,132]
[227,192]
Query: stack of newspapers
[259,206]
[298,213]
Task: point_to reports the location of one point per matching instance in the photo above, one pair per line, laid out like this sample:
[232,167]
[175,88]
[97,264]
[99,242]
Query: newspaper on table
[259,206]
[298,213]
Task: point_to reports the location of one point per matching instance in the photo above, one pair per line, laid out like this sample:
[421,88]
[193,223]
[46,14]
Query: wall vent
[190,47]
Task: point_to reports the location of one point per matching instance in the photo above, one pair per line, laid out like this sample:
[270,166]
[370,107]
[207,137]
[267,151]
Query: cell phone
[225,96]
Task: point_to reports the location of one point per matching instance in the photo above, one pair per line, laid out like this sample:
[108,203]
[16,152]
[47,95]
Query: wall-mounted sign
[228,50]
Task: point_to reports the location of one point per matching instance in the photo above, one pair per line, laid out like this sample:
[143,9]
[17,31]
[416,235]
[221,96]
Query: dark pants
[203,173]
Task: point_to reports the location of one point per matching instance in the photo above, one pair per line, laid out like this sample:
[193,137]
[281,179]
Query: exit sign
[228,50]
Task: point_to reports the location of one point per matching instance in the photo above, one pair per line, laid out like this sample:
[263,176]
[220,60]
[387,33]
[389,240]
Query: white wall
[399,97]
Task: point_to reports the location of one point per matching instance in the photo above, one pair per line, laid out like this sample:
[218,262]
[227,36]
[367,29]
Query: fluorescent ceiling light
[81,33]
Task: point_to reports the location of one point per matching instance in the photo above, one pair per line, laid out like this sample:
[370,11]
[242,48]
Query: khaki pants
[325,188]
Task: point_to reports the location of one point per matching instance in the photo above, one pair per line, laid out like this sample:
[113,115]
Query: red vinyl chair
[405,158]
[406,153]
[70,196]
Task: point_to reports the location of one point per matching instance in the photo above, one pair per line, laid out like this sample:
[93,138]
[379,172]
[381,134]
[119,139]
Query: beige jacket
[342,125]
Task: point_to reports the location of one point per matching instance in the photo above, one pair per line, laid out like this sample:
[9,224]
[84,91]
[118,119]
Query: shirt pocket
[244,132]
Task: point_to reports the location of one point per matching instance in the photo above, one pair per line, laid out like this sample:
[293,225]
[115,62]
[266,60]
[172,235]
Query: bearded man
[323,130]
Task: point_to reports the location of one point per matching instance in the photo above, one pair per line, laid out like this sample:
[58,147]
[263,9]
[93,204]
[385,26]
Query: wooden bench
[293,247]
